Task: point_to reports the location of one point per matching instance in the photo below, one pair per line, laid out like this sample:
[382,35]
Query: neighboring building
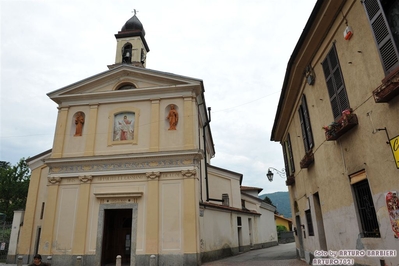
[281,220]
[129,174]
[343,180]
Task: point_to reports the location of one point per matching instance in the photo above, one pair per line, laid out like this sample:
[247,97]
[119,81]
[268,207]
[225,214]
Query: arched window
[126,86]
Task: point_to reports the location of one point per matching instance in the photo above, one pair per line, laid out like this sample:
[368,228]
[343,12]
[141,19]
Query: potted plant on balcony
[307,160]
[336,129]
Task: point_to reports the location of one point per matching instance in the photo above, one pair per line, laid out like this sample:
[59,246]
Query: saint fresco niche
[124,126]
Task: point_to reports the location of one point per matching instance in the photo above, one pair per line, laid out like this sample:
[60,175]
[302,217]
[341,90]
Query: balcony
[307,160]
[335,130]
[385,92]
[388,90]
[290,180]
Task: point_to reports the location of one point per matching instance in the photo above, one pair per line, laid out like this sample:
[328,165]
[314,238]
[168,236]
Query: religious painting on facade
[124,126]
[392,201]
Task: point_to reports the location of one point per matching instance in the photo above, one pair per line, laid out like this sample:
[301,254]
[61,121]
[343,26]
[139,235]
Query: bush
[281,228]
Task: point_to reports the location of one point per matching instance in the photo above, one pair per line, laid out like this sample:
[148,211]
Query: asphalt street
[281,255]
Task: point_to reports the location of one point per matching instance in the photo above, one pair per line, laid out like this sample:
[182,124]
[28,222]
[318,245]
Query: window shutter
[382,35]
[335,83]
[287,169]
[307,123]
[303,128]
[291,156]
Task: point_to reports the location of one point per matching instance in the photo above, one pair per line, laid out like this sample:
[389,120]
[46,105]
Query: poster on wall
[392,201]
[394,142]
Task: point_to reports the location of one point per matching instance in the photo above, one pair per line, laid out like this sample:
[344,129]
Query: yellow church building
[129,174]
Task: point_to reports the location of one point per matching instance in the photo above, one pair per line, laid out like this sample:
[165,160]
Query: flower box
[388,89]
[307,160]
[290,180]
[385,92]
[335,130]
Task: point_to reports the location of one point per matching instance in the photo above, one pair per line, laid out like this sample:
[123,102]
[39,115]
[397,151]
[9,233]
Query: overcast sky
[240,49]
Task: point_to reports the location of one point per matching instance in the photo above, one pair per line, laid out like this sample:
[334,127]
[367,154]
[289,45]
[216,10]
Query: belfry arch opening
[127,53]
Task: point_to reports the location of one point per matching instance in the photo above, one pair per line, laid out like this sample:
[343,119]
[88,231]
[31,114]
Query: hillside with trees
[281,200]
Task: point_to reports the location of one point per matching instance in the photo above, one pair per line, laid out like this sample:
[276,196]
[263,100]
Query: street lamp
[270,173]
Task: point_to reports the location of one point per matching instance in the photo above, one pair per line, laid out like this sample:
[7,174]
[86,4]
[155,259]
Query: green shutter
[382,35]
[307,123]
[335,83]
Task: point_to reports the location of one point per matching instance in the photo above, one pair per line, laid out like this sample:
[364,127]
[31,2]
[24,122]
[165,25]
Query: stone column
[152,220]
[154,127]
[91,130]
[46,240]
[82,215]
[58,144]
[188,124]
[190,212]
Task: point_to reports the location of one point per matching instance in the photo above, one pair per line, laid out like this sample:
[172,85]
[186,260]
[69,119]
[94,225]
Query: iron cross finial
[135,11]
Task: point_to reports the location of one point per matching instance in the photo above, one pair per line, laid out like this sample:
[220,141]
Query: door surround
[100,229]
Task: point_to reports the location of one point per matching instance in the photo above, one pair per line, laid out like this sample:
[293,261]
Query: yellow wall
[282,221]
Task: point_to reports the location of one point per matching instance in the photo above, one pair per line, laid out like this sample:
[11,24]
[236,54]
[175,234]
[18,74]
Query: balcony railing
[307,160]
[335,130]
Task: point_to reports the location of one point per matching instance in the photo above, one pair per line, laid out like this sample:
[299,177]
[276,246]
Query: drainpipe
[205,159]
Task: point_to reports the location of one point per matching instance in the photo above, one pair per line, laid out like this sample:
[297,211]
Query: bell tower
[131,47]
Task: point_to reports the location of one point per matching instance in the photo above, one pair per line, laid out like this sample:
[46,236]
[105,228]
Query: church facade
[129,174]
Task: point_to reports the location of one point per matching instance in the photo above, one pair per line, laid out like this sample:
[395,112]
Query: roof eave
[323,25]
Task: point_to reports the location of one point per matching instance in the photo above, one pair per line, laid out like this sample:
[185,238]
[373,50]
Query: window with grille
[309,222]
[335,83]
[384,22]
[365,207]
[304,118]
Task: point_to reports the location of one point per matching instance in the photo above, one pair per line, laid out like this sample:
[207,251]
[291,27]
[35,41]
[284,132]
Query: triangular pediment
[146,83]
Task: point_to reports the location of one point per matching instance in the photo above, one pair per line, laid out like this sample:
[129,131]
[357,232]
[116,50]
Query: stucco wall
[362,148]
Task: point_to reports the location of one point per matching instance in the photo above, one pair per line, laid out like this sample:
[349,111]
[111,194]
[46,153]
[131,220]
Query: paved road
[281,255]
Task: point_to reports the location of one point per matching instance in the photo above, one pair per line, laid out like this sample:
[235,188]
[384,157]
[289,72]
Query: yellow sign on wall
[395,149]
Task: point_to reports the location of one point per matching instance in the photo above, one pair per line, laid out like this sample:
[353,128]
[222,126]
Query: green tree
[14,184]
[280,228]
[268,200]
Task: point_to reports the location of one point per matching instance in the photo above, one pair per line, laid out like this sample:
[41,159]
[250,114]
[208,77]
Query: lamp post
[270,173]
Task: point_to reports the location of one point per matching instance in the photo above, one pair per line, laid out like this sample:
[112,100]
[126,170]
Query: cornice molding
[127,163]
